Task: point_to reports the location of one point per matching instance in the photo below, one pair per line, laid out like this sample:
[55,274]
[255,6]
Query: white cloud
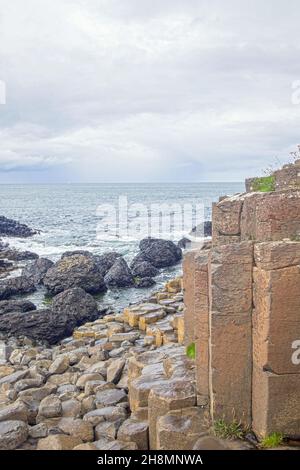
[142,90]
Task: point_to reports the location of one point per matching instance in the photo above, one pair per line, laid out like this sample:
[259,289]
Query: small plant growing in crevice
[225,430]
[273,440]
[47,300]
[265,184]
[191,351]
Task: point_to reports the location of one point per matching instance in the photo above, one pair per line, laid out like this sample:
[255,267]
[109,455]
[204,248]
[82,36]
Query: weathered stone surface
[83,379]
[144,269]
[12,434]
[38,431]
[71,408]
[276,320]
[9,306]
[226,220]
[58,442]
[275,403]
[172,395]
[107,429]
[60,365]
[150,318]
[276,255]
[37,270]
[110,397]
[13,228]
[135,431]
[16,286]
[160,253]
[77,428]
[15,412]
[50,407]
[74,271]
[201,322]
[189,296]
[87,446]
[111,413]
[271,216]
[207,442]
[13,378]
[119,275]
[180,429]
[114,370]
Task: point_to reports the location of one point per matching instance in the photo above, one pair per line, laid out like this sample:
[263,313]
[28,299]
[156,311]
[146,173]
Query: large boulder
[16,255]
[69,309]
[9,306]
[106,261]
[12,434]
[16,286]
[144,269]
[160,253]
[119,275]
[12,228]
[37,270]
[74,271]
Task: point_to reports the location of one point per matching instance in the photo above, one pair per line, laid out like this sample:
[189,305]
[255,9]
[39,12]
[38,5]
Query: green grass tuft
[191,351]
[47,300]
[224,430]
[265,184]
[271,441]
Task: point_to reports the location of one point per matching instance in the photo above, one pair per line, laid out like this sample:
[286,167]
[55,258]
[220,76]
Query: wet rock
[114,371]
[135,431]
[12,434]
[9,306]
[59,442]
[74,271]
[160,253]
[12,228]
[105,262]
[144,269]
[69,309]
[119,275]
[37,270]
[16,286]
[50,407]
[107,398]
[16,255]
[184,243]
[202,230]
[144,282]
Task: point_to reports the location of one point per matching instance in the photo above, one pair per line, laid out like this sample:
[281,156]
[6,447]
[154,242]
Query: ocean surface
[93,217]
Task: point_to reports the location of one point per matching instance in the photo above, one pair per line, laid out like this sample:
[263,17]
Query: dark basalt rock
[160,253]
[74,271]
[144,269]
[144,282]
[15,255]
[9,306]
[37,270]
[184,243]
[202,230]
[12,228]
[106,261]
[119,275]
[69,309]
[16,286]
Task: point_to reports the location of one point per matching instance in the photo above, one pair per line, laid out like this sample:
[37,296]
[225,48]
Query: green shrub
[191,351]
[271,441]
[224,430]
[265,184]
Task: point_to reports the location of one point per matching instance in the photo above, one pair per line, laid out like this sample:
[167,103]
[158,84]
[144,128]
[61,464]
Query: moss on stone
[265,184]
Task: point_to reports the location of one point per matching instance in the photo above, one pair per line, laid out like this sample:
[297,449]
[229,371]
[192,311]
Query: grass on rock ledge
[273,440]
[265,184]
[233,430]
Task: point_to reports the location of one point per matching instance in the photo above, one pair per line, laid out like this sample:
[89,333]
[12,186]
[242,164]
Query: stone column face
[201,323]
[276,334]
[230,363]
[189,296]
[226,221]
[271,216]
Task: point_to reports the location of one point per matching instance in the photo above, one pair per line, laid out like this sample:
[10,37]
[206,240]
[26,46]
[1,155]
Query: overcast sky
[147,90]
